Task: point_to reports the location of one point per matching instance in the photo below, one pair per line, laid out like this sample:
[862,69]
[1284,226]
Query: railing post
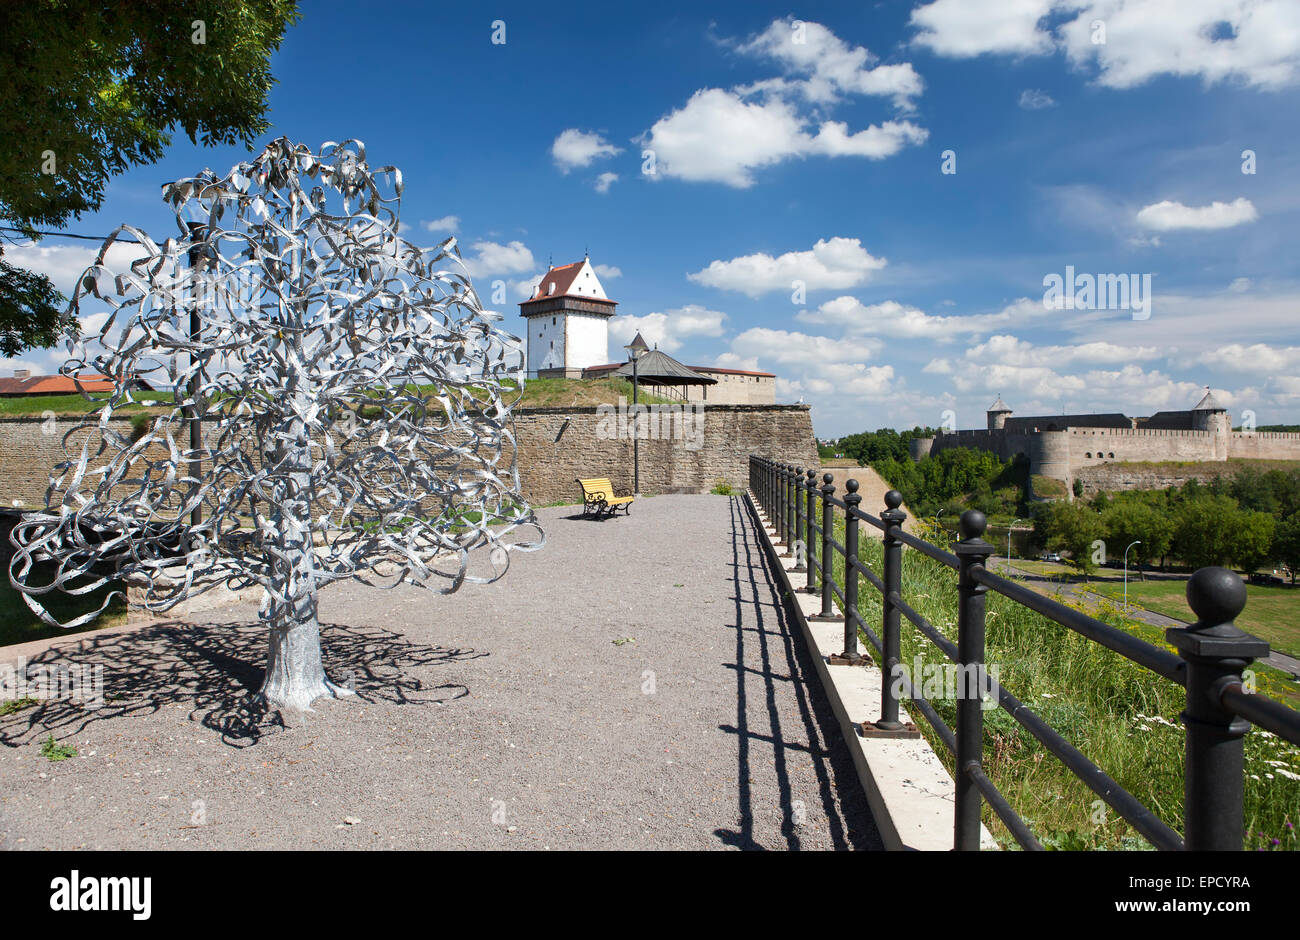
[810,552]
[827,556]
[797,514]
[1216,652]
[972,551]
[850,656]
[778,518]
[790,531]
[891,644]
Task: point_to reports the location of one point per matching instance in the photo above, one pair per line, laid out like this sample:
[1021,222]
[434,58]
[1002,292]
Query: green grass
[1123,717]
[54,751]
[75,404]
[1272,611]
[16,705]
[1047,487]
[538,393]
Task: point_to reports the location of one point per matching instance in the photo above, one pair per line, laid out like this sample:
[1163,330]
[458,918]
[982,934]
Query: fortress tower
[997,415]
[1209,415]
[568,322]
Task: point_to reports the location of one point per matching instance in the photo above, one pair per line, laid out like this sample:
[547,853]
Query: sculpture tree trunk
[295,676]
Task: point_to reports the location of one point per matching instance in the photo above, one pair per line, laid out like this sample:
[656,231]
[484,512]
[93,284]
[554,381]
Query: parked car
[1259,577]
[1052,556]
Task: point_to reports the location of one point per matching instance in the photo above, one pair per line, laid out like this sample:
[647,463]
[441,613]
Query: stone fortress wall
[1066,447]
[555,446]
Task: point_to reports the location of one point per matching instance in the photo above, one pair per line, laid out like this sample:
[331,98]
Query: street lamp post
[1130,545]
[634,350]
[196,260]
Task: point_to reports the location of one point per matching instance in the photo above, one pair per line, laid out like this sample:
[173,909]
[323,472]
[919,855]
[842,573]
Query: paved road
[504,716]
[1078,591]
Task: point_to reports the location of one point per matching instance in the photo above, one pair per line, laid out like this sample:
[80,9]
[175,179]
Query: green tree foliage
[1204,529]
[1253,540]
[871,447]
[1073,527]
[1276,492]
[91,89]
[1287,546]
[1130,520]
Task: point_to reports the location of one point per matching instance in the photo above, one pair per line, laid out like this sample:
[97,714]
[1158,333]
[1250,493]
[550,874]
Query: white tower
[568,322]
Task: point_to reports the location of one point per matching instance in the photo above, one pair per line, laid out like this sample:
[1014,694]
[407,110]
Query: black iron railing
[1219,707]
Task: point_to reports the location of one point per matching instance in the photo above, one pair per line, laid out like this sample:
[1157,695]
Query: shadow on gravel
[764,631]
[214,670]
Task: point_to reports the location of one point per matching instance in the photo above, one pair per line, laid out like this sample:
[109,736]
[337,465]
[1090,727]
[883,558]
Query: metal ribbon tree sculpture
[354,398]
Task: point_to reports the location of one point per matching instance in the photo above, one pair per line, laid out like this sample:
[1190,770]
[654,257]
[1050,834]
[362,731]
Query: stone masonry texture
[682,452]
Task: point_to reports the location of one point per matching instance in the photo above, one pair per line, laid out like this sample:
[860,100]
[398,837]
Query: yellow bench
[598,497]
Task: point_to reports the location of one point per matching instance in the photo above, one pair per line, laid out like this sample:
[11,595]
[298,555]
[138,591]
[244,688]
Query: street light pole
[634,351]
[636,430]
[1131,544]
[195,422]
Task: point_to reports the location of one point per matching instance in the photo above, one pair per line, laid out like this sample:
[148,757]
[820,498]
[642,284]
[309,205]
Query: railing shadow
[215,670]
[763,629]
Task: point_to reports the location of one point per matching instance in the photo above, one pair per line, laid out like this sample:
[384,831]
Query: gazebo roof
[659,368]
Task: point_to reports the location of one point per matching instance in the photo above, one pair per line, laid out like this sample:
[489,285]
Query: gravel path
[635,684]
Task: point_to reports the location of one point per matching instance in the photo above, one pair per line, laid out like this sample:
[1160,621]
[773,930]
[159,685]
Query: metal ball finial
[973,524]
[1217,595]
[851,485]
[828,478]
[893,499]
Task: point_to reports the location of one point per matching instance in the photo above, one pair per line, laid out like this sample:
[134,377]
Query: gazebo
[660,371]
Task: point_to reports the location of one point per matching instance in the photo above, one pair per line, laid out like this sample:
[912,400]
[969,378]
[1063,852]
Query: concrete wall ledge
[907,786]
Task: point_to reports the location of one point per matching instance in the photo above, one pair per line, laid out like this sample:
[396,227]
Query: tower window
[552,321]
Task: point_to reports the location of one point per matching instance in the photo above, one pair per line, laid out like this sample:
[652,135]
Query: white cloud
[1254,42]
[874,142]
[608,271]
[718,138]
[523,288]
[830,67]
[835,263]
[448,223]
[575,148]
[64,264]
[1168,216]
[965,28]
[667,329]
[801,349]
[891,318]
[1011,350]
[729,360]
[1255,358]
[1032,99]
[725,135]
[495,258]
[605,181]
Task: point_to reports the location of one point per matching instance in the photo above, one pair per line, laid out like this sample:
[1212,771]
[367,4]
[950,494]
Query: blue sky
[808,144]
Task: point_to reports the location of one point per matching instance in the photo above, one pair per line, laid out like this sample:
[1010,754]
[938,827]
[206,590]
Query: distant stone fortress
[1059,446]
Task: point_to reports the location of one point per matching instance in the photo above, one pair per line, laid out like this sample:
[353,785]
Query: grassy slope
[538,393]
[1121,716]
[1272,612]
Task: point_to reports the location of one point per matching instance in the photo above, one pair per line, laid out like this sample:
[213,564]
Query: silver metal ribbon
[355,399]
